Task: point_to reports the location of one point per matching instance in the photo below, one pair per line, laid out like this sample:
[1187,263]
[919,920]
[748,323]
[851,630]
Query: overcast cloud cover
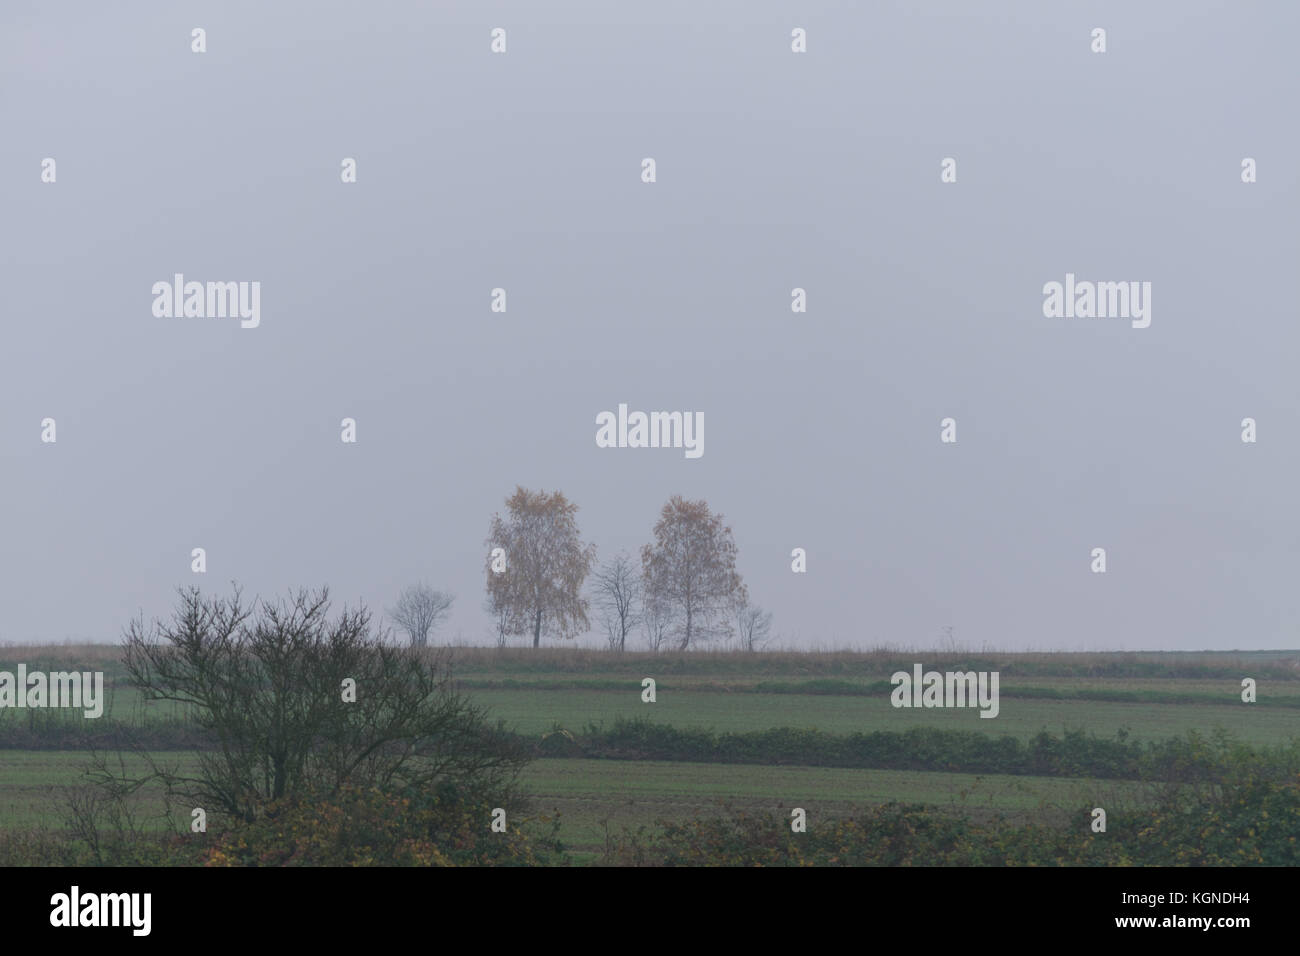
[775,170]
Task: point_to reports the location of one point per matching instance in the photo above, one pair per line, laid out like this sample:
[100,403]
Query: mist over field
[704,433]
[775,171]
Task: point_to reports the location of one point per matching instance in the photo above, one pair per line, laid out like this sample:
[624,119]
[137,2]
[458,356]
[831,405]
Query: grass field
[534,712]
[587,794]
[537,703]
[1152,696]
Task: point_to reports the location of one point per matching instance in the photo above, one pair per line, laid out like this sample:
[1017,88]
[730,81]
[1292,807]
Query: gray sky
[775,170]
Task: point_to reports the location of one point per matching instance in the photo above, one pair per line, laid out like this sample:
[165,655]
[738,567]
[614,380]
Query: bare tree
[617,598]
[753,627]
[419,610]
[546,563]
[690,570]
[293,703]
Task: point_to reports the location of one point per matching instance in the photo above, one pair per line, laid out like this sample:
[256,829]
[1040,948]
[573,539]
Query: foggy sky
[775,170]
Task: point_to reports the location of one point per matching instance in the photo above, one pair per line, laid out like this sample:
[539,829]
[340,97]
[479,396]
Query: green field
[1153,697]
[536,703]
[588,793]
[536,711]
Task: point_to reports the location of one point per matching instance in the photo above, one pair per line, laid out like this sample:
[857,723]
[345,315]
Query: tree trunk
[537,628]
[281,781]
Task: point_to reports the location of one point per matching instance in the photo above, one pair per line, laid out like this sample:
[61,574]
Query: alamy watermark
[83,690]
[1098,300]
[651,430]
[102,909]
[950,689]
[211,300]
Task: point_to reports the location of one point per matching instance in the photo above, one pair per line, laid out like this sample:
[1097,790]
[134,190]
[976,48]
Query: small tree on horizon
[618,594]
[690,571]
[753,627]
[540,591]
[419,611]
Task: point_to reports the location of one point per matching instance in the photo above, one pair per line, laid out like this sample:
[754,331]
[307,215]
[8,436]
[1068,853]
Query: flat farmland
[587,795]
[1148,708]
[1152,697]
[537,711]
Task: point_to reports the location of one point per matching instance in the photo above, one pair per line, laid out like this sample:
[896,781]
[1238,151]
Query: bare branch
[419,611]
